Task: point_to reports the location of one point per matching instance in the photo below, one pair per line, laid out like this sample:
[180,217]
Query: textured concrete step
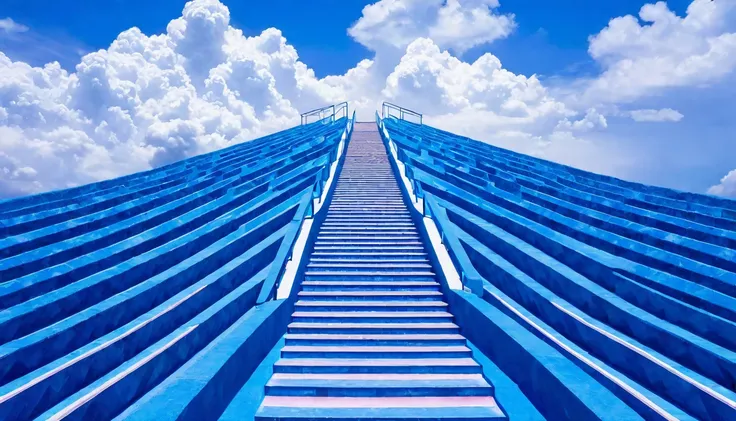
[372,316]
[371,305]
[309,408]
[324,275]
[367,339]
[369,256]
[365,286]
[367,237]
[400,266]
[382,365]
[366,385]
[300,351]
[358,295]
[374,328]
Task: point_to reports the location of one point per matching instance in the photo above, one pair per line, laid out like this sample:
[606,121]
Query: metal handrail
[327,112]
[387,107]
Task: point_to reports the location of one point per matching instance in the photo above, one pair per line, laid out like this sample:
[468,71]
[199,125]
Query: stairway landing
[372,337]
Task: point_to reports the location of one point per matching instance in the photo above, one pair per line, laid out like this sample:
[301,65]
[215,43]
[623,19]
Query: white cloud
[592,120]
[727,186]
[455,24]
[648,115]
[10,26]
[662,50]
[202,85]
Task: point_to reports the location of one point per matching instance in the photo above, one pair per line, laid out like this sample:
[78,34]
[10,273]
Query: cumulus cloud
[727,186]
[147,101]
[660,50]
[455,24]
[664,114]
[10,26]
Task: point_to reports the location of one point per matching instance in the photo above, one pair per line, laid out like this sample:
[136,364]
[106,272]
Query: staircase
[372,337]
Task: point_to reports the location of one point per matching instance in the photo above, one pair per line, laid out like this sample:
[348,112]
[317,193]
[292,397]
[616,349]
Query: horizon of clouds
[202,85]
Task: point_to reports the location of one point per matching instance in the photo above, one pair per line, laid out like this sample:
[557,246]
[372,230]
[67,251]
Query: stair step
[371,316]
[314,351]
[400,266]
[366,286]
[371,305]
[415,408]
[386,256]
[374,328]
[367,339]
[340,296]
[369,275]
[370,387]
[383,365]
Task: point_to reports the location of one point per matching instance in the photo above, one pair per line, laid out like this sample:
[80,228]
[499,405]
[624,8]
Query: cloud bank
[201,85]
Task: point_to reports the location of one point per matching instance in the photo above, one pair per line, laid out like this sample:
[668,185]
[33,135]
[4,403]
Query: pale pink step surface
[374,314]
[379,337]
[379,402]
[358,304]
[377,376]
[372,349]
[367,362]
[375,325]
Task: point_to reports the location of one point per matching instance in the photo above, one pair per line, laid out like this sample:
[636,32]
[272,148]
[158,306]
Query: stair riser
[346,258]
[376,330]
[373,319]
[375,355]
[363,297]
[387,287]
[378,368]
[345,277]
[375,342]
[408,267]
[378,307]
[377,392]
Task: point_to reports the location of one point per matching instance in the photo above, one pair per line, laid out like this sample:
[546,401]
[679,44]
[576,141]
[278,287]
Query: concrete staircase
[372,337]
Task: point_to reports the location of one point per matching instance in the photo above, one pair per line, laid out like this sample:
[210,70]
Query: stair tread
[373,273]
[359,304]
[367,362]
[353,325]
[372,293]
[384,337]
[417,408]
[374,314]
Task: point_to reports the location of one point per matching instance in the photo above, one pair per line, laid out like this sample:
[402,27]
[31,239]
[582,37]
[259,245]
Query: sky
[639,90]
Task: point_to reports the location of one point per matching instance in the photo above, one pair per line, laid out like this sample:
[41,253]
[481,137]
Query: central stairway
[372,337]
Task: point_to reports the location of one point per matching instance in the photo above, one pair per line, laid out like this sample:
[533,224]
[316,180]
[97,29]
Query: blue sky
[628,88]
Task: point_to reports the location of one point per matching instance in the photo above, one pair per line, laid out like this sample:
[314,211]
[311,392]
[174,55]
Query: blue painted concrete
[151,296]
[631,284]
[119,298]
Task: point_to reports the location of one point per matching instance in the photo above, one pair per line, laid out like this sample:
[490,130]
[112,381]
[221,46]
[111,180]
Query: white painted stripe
[448,268]
[646,401]
[98,348]
[91,395]
[286,283]
[653,359]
